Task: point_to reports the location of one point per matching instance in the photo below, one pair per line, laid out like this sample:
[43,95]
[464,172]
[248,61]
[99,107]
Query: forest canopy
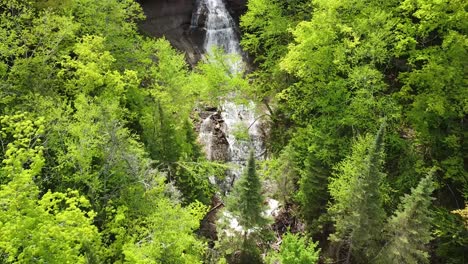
[366,107]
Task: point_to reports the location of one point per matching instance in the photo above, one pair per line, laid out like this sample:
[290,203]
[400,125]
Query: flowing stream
[234,129]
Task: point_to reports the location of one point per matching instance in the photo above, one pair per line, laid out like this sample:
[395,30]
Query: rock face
[213,137]
[237,8]
[228,134]
[173,19]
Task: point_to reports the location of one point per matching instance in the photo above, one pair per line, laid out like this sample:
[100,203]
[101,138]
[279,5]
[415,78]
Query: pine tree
[409,228]
[247,204]
[357,210]
[313,193]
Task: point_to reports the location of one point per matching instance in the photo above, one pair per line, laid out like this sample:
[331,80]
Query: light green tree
[297,250]
[54,227]
[168,235]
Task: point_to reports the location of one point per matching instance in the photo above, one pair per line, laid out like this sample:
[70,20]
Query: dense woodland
[367,109]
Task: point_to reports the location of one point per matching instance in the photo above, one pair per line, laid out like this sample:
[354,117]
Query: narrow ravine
[218,130]
[232,130]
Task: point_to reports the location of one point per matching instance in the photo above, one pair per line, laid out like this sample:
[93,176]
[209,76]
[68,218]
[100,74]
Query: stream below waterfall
[218,130]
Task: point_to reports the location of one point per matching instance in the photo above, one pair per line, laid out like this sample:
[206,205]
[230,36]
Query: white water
[232,119]
[220,28]
[234,226]
[236,119]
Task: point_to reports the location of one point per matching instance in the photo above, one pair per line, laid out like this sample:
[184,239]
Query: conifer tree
[313,193]
[409,228]
[357,210]
[247,204]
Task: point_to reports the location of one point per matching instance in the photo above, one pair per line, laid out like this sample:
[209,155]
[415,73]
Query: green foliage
[241,132]
[163,117]
[86,179]
[235,247]
[213,80]
[265,29]
[247,199]
[451,236]
[346,64]
[249,254]
[54,228]
[266,35]
[168,236]
[356,190]
[409,228]
[464,214]
[312,193]
[96,128]
[283,171]
[246,206]
[297,250]
[192,179]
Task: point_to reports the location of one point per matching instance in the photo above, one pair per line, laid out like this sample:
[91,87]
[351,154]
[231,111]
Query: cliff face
[172,19]
[237,7]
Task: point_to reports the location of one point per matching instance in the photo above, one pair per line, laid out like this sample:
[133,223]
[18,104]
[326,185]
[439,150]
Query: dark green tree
[409,229]
[313,193]
[247,204]
[357,207]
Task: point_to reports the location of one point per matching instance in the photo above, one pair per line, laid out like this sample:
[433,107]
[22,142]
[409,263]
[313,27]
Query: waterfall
[220,28]
[218,130]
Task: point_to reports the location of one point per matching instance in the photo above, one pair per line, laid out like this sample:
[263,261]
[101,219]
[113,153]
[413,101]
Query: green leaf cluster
[96,130]
[329,71]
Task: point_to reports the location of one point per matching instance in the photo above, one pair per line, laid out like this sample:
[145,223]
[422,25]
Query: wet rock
[211,109]
[208,224]
[213,138]
[237,8]
[173,19]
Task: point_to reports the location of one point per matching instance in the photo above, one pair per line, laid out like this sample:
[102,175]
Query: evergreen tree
[357,208]
[247,204]
[409,227]
[313,193]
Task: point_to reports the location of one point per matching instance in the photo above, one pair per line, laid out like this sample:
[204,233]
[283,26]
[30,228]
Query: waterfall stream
[218,131]
[220,28]
[229,132]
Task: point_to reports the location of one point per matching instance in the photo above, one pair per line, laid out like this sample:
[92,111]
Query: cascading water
[218,131]
[231,131]
[220,28]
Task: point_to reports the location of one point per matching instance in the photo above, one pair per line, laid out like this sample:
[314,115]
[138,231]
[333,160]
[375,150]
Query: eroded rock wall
[172,19]
[237,8]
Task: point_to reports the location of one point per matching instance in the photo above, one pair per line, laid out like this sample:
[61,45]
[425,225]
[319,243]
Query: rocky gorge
[172,19]
[196,27]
